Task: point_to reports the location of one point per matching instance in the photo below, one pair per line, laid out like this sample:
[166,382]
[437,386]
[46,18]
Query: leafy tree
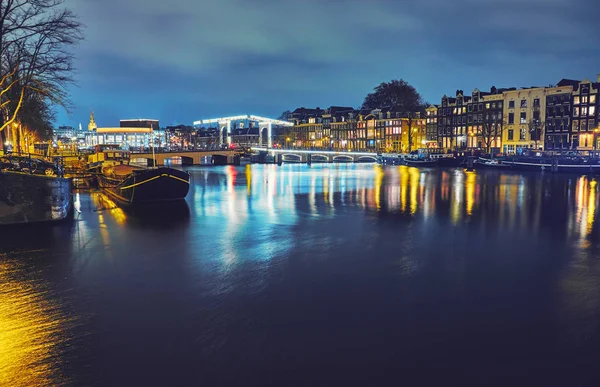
[401,97]
[396,94]
[285,115]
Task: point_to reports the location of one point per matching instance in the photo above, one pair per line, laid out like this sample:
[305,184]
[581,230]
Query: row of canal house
[346,128]
[555,118]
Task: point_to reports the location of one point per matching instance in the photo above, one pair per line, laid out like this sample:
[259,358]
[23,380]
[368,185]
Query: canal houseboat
[132,184]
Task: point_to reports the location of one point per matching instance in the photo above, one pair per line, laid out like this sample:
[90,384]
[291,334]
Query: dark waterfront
[322,275]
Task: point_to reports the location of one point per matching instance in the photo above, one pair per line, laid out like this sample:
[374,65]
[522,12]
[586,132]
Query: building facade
[307,125]
[485,119]
[344,128]
[585,115]
[452,121]
[431,129]
[65,133]
[524,111]
[140,123]
[558,118]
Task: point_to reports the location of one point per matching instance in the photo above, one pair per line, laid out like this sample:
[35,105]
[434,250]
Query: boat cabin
[112,154]
[431,153]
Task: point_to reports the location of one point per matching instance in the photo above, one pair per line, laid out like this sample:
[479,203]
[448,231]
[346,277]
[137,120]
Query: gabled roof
[333,110]
[568,82]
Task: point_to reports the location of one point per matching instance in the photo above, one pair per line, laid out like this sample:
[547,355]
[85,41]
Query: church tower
[92,124]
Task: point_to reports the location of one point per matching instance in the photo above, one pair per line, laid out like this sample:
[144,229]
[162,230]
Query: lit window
[576,100]
[487,105]
[593,98]
[576,112]
[464,109]
[584,111]
[523,117]
[584,99]
[592,110]
[522,134]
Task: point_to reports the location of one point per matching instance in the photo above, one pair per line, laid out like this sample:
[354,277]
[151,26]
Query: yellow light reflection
[248,179]
[581,198]
[470,191]
[30,332]
[591,215]
[404,176]
[456,199]
[414,187]
[107,205]
[378,183]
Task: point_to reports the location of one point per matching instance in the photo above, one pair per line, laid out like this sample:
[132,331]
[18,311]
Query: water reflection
[494,260]
[151,215]
[508,201]
[33,328]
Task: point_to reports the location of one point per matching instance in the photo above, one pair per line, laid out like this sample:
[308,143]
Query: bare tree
[492,127]
[36,61]
[536,130]
[411,118]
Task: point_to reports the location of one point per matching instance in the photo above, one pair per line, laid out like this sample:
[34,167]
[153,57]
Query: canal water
[320,275]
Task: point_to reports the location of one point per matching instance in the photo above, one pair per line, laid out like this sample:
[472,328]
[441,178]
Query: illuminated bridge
[302,155]
[187,157]
[263,124]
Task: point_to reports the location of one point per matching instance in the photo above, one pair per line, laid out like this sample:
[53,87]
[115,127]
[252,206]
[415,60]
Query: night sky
[184,60]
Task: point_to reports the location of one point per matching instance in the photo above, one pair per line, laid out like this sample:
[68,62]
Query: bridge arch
[291,158]
[367,159]
[145,161]
[218,159]
[343,159]
[263,134]
[179,159]
[318,158]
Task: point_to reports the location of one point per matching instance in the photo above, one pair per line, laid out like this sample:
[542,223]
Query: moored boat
[581,165]
[491,164]
[391,158]
[424,163]
[130,184]
[421,157]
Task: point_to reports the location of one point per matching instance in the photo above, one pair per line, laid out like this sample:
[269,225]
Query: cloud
[189,58]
